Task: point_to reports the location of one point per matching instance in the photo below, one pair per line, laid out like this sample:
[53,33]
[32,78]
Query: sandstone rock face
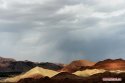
[76,65]
[109,64]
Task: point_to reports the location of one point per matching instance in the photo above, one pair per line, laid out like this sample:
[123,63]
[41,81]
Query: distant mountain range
[11,65]
[2,60]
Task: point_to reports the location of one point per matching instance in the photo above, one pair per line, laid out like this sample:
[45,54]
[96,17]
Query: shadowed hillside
[66,75]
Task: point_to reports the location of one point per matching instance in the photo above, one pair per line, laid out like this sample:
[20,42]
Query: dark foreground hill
[97,78]
[49,80]
[101,77]
[66,75]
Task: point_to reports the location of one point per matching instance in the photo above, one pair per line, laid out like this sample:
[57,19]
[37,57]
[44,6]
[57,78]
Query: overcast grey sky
[62,30]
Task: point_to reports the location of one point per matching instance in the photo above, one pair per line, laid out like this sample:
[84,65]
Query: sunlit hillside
[76,65]
[36,72]
[89,72]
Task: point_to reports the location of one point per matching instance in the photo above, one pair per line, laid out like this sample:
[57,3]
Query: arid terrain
[79,71]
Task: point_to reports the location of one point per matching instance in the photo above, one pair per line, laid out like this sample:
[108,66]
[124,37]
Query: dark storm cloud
[62,30]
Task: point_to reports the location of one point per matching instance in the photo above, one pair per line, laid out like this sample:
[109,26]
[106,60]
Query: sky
[62,30]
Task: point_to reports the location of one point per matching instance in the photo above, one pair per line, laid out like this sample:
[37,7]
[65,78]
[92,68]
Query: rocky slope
[76,65]
[110,64]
